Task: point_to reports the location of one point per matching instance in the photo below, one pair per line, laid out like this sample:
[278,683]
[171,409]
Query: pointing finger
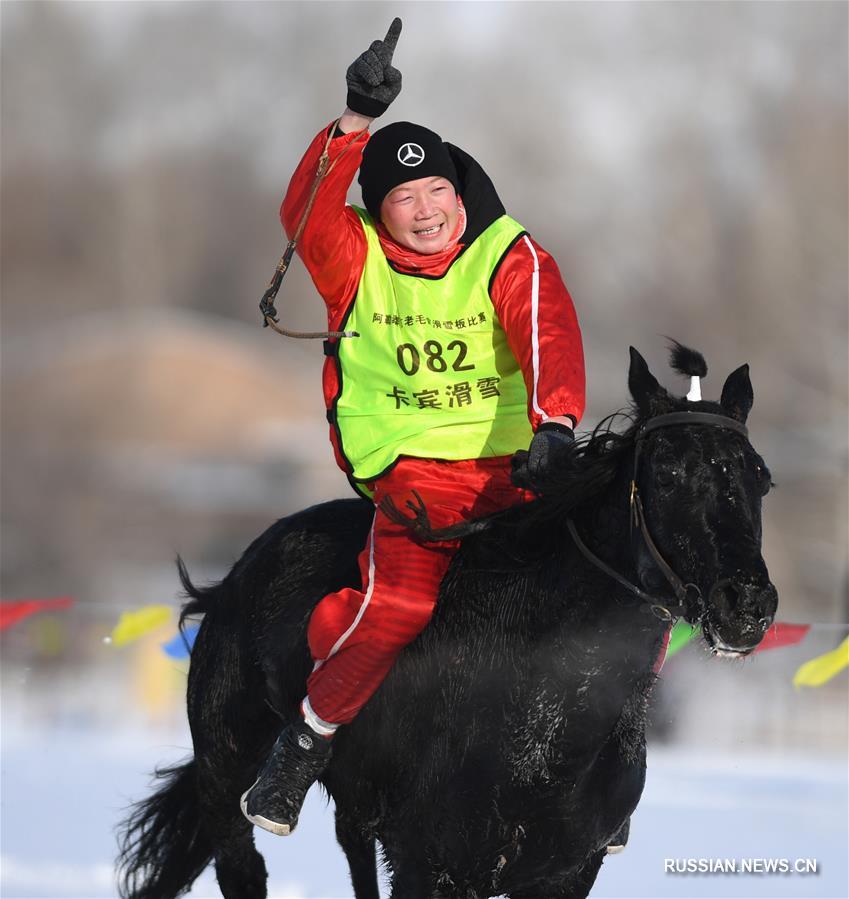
[391,38]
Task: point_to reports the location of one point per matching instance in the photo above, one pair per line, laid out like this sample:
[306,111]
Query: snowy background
[685,164]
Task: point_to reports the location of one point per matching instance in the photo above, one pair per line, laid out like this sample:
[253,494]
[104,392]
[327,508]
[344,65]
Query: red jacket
[547,345]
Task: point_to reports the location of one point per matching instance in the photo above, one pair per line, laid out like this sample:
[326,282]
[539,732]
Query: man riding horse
[467,348]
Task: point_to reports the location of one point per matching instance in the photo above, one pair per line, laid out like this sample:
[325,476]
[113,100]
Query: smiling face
[421,215]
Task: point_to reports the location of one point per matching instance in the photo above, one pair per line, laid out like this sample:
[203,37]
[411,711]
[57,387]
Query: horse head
[699,484]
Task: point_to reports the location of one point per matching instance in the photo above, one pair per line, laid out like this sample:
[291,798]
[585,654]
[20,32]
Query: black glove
[551,442]
[372,81]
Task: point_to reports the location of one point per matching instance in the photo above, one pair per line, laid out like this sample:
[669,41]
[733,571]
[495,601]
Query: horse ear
[647,393]
[737,396]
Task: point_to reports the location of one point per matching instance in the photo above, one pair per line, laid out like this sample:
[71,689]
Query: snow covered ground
[64,789]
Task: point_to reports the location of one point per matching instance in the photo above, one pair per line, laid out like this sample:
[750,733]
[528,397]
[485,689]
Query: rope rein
[266,304]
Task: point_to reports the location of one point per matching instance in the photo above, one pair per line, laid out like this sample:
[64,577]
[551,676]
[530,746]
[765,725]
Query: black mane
[595,458]
[591,466]
[524,536]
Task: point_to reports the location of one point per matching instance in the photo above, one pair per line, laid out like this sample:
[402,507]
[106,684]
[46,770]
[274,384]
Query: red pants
[356,635]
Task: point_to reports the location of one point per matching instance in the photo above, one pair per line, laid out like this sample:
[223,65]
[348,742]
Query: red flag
[11,612]
[782,634]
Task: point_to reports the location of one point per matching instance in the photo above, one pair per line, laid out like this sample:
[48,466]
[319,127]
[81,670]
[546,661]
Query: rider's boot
[296,760]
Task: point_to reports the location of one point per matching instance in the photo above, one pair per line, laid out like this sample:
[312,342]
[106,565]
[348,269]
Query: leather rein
[687,594]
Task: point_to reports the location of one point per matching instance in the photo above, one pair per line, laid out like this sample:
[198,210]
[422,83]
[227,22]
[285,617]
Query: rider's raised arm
[538,316]
[333,244]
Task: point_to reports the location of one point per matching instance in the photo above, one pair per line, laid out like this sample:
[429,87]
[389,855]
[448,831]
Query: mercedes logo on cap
[411,155]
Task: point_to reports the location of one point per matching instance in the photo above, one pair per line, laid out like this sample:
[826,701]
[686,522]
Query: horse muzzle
[738,614]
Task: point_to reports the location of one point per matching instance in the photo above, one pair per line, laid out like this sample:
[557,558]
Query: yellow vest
[431,374]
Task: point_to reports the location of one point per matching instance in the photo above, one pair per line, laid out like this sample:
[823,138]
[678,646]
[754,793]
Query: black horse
[506,748]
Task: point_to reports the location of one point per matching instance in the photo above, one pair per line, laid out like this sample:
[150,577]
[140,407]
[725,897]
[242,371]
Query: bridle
[687,594]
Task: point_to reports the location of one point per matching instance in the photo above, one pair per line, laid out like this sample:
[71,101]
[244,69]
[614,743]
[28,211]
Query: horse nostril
[725,595]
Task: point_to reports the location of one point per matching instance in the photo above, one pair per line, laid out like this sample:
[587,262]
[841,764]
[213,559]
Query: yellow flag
[132,625]
[823,668]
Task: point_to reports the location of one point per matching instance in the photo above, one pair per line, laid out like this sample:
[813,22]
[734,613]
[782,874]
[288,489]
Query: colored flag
[823,668]
[180,647]
[13,611]
[132,625]
[681,635]
[782,634]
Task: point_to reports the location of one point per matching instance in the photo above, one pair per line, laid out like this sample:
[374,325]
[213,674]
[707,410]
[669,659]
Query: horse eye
[665,478]
[764,479]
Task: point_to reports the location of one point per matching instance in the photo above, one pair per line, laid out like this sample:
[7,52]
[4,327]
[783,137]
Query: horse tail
[164,848]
